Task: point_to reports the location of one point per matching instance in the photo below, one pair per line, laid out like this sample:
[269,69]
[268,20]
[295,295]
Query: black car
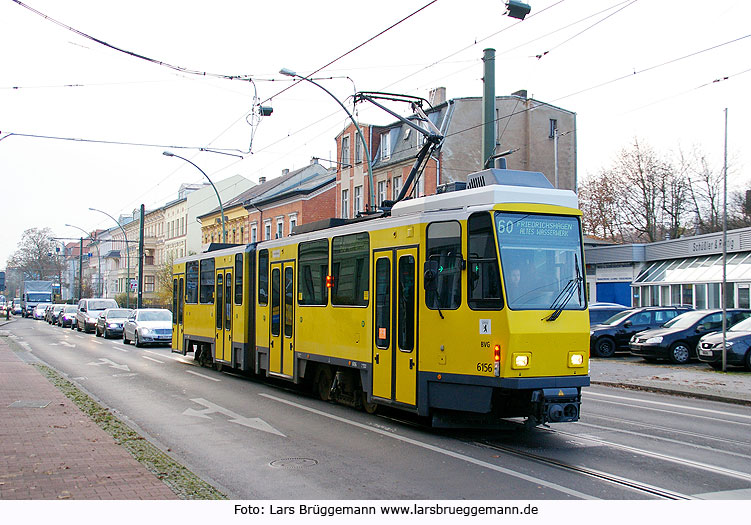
[677,339]
[67,315]
[601,312]
[110,322]
[615,333]
[737,347]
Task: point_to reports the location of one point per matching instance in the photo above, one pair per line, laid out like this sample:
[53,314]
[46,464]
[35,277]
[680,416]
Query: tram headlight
[575,359]
[519,361]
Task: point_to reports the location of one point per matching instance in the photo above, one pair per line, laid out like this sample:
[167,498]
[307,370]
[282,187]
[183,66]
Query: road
[255,440]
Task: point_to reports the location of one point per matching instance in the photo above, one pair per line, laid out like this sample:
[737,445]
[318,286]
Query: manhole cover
[293,463]
[28,404]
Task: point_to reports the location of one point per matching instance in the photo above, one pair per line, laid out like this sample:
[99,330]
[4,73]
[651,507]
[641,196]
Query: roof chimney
[437,96]
[522,93]
[285,171]
[261,180]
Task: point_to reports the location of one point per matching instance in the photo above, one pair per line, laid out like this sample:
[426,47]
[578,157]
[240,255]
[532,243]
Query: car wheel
[106,334]
[138,341]
[747,361]
[125,339]
[96,331]
[604,347]
[679,353]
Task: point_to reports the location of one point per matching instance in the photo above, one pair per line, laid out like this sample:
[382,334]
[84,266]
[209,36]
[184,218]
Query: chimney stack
[261,180]
[285,171]
[437,96]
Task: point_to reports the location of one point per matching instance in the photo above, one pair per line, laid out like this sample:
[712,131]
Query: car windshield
[57,307]
[118,313]
[101,305]
[618,317]
[685,320]
[743,326]
[70,309]
[155,315]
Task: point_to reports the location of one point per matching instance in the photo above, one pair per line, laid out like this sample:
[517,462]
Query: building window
[358,199]
[253,234]
[358,150]
[381,192]
[267,231]
[396,187]
[385,145]
[279,228]
[242,234]
[553,127]
[345,151]
[292,223]
[345,204]
[148,283]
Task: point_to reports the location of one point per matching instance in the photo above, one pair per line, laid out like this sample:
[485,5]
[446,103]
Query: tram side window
[349,268]
[312,267]
[483,275]
[263,277]
[174,298]
[444,245]
[383,302]
[239,278]
[206,283]
[191,282]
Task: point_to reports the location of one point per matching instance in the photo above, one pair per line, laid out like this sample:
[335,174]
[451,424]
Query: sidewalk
[51,450]
[694,380]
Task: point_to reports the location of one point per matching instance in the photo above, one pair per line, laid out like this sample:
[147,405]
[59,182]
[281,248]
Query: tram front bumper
[556,405]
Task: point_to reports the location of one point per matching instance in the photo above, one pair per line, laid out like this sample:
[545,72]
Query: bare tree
[164,288]
[705,191]
[34,256]
[599,203]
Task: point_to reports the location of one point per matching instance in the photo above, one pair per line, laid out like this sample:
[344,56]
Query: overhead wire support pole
[127,254]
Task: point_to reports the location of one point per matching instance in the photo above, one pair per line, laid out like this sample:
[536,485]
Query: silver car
[148,326]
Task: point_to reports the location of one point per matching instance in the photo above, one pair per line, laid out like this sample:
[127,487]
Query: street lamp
[98,256]
[290,73]
[127,255]
[221,207]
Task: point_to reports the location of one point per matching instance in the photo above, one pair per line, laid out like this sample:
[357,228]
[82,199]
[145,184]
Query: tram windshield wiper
[565,295]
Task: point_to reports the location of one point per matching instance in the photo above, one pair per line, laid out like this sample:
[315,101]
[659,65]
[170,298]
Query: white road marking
[66,343]
[97,342]
[203,376]
[111,364]
[212,408]
[671,405]
[439,450]
[152,359]
[120,348]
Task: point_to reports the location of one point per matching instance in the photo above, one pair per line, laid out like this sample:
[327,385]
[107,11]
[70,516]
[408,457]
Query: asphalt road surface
[257,440]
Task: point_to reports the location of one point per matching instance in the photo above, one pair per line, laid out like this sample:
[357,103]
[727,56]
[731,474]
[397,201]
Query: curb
[675,392]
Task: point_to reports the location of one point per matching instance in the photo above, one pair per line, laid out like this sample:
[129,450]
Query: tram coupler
[556,405]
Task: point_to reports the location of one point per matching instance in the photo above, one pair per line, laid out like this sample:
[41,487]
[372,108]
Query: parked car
[17,310]
[54,312]
[89,310]
[110,322]
[39,309]
[148,325]
[601,312]
[737,347]
[615,333]
[67,315]
[677,339]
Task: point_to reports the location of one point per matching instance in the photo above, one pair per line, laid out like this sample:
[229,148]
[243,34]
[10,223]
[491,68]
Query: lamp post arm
[359,133]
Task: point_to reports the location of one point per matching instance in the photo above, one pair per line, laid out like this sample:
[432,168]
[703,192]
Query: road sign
[133,285]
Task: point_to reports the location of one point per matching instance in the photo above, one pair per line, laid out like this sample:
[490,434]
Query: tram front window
[541,259]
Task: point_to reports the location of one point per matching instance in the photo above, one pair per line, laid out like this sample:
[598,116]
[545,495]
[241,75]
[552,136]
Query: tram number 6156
[484,367]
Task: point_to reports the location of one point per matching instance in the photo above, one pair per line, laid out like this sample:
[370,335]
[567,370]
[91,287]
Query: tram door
[282,326]
[178,304]
[395,325]
[223,315]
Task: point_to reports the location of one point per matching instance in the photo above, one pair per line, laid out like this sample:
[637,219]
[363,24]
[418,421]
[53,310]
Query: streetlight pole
[290,73]
[98,256]
[221,207]
[127,256]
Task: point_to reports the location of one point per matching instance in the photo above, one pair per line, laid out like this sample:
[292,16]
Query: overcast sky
[627,68]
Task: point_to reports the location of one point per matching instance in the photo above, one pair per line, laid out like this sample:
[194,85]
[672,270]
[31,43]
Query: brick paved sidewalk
[57,452]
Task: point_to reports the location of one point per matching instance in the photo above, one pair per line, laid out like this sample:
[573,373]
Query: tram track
[613,479]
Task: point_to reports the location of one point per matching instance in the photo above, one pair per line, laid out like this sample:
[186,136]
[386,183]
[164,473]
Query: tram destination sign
[522,229]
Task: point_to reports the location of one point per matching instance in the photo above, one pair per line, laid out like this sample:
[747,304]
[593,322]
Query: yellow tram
[464,305]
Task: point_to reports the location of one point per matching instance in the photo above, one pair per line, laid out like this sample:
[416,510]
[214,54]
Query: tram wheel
[323,383]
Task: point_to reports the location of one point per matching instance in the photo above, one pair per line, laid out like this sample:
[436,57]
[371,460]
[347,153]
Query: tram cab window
[312,267]
[263,277]
[444,246]
[191,282]
[483,275]
[206,283]
[349,268]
